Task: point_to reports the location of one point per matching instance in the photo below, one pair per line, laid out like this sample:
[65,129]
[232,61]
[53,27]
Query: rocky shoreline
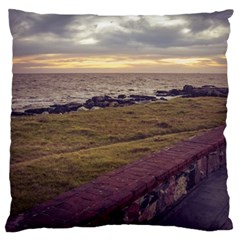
[99,102]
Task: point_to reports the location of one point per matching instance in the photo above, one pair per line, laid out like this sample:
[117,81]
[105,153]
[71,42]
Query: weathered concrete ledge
[134,193]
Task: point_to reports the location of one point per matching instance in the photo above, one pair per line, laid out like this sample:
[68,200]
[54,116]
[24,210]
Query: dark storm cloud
[24,24]
[173,35]
[192,35]
[204,21]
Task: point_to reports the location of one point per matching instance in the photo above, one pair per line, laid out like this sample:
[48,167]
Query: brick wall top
[116,189]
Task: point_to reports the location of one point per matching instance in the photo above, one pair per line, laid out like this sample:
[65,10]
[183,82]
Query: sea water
[43,90]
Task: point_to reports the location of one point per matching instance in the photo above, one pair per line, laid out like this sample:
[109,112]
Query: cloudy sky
[89,43]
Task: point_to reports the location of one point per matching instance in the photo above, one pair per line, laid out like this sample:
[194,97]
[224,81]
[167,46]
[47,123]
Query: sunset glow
[107,63]
[88,43]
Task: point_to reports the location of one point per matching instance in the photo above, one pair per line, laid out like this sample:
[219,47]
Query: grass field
[51,154]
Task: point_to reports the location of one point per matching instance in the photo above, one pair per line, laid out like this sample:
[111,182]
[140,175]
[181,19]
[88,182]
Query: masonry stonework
[173,188]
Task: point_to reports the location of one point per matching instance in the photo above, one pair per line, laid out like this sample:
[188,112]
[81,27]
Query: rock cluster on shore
[190,91]
[92,103]
[123,100]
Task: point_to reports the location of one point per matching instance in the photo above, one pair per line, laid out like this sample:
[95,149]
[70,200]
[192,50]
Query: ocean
[43,90]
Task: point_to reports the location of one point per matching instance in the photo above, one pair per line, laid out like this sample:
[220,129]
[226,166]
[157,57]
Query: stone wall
[173,188]
[135,193]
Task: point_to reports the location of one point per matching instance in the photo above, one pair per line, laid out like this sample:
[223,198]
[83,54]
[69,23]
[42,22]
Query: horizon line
[119,73]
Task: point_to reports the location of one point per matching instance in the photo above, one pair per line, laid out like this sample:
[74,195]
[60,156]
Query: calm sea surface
[42,90]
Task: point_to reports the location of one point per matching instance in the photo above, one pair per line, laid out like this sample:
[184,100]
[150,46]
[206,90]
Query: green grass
[51,154]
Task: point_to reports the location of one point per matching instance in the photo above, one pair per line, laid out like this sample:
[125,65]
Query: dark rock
[58,109]
[188,89]
[106,101]
[97,99]
[73,106]
[199,92]
[174,92]
[139,98]
[16,114]
[62,108]
[102,104]
[107,98]
[125,101]
[216,93]
[206,90]
[122,96]
[89,104]
[36,110]
[162,93]
[53,109]
[186,96]
[212,92]
[121,101]
[54,105]
[101,101]
[223,91]
[163,99]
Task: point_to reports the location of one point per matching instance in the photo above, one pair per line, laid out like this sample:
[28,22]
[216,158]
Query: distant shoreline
[31,91]
[98,102]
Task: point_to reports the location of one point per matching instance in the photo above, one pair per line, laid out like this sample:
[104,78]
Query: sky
[50,43]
